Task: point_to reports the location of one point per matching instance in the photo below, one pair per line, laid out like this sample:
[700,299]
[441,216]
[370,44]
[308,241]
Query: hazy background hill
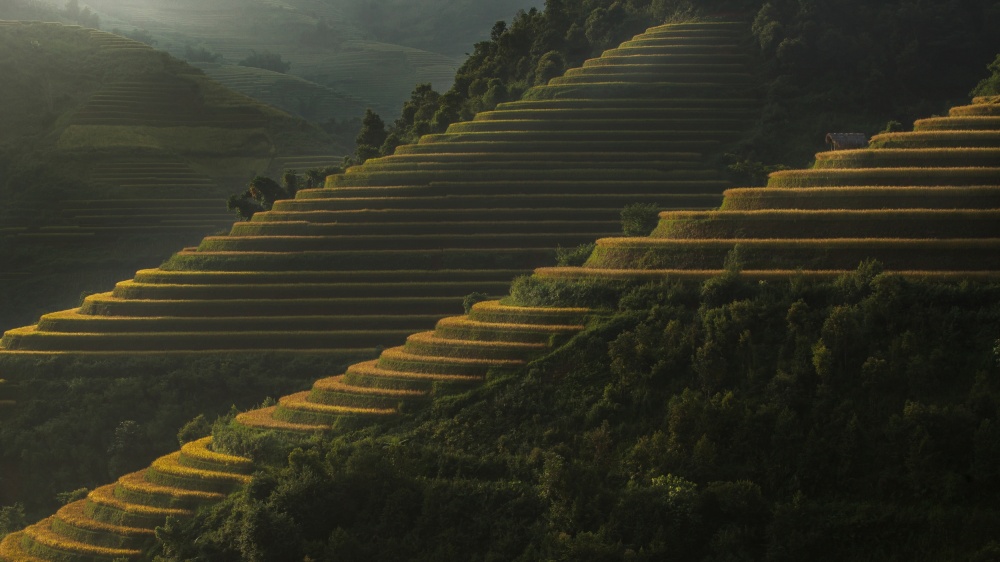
[113,155]
[368,53]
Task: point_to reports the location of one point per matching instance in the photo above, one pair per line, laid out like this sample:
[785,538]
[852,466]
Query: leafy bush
[990,86]
[639,219]
[572,257]
[471,299]
[200,54]
[266,60]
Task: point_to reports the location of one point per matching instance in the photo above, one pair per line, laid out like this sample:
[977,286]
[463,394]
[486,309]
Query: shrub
[572,257]
[194,429]
[638,219]
[267,61]
[472,298]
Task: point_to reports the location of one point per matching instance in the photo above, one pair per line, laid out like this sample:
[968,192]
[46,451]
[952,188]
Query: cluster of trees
[262,191]
[730,420]
[266,60]
[84,17]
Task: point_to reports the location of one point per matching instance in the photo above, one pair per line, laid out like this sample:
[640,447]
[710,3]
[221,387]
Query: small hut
[846,141]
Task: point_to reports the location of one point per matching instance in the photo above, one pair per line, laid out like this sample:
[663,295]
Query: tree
[371,137]
[260,195]
[266,60]
[990,86]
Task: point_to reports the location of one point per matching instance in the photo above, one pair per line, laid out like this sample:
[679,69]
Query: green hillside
[113,155]
[397,242]
[625,481]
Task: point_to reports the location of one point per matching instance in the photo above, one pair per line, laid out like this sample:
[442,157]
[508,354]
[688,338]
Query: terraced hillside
[925,202]
[292,94]
[106,142]
[117,522]
[390,246]
[496,336]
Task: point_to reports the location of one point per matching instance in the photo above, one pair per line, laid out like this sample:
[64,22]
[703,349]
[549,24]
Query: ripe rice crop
[41,540]
[638,77]
[495,312]
[965,123]
[427,343]
[368,374]
[646,103]
[748,199]
[553,146]
[461,327]
[979,109]
[264,419]
[461,225]
[676,49]
[105,305]
[704,67]
[937,139]
[884,176]
[334,392]
[159,276]
[167,471]
[296,408]
[508,201]
[595,123]
[608,137]
[197,454]
[878,223]
[398,359]
[29,339]
[73,515]
[102,505]
[72,321]
[914,157]
[658,253]
[389,244]
[136,489]
[353,260]
[134,290]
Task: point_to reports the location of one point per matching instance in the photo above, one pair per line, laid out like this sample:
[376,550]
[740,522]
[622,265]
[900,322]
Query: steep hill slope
[106,142]
[497,338]
[393,244]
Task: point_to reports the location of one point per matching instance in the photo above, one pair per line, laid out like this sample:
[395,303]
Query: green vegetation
[266,60]
[724,419]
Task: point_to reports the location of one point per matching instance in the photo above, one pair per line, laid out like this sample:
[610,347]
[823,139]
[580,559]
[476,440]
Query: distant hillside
[106,143]
[373,51]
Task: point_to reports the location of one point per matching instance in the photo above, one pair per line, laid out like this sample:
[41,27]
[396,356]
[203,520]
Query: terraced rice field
[454,357]
[117,521]
[400,240]
[912,201]
[289,93]
[145,195]
[169,102]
